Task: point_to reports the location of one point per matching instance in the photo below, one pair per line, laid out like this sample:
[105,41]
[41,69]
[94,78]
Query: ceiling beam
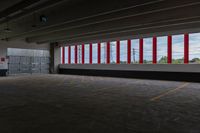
[168,17]
[82,21]
[25,12]
[17,7]
[158,30]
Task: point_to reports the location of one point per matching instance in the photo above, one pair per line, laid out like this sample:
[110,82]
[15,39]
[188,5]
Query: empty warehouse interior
[94,66]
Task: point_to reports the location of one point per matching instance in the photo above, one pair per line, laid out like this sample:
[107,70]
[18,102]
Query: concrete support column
[55,53]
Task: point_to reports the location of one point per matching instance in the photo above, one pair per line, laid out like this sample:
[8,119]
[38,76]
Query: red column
[99,53]
[118,52]
[69,54]
[63,55]
[76,54]
[90,53]
[83,54]
[186,48]
[108,52]
[129,51]
[141,51]
[154,50]
[169,53]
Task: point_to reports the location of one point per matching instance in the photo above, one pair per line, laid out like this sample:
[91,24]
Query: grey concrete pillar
[55,57]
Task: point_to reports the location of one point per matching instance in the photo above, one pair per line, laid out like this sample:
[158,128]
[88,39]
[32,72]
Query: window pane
[147,50]
[135,51]
[178,49]
[87,54]
[194,48]
[162,50]
[113,52]
[94,53]
[123,52]
[103,53]
[72,54]
[66,55]
[79,56]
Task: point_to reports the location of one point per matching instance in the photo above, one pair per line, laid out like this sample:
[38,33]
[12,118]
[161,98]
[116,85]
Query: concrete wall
[20,44]
[189,73]
[136,67]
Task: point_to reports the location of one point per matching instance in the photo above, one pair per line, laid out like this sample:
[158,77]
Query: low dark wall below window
[181,72]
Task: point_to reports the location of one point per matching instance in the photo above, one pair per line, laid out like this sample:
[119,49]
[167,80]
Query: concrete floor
[81,104]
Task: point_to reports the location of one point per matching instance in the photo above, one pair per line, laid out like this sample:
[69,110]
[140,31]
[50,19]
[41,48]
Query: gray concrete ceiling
[78,21]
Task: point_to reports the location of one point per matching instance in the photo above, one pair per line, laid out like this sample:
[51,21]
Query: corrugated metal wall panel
[28,61]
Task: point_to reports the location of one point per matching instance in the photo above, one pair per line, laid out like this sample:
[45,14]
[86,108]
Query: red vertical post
[169,53]
[63,55]
[69,54]
[186,48]
[76,54]
[99,53]
[129,51]
[90,53]
[154,50]
[141,50]
[108,53]
[83,54]
[118,52]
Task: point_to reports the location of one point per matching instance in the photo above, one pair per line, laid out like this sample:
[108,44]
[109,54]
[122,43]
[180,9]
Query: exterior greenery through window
[177,51]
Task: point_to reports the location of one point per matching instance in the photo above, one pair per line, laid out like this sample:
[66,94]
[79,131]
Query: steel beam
[76,54]
[118,52]
[186,48]
[63,55]
[141,50]
[154,50]
[108,53]
[169,50]
[83,54]
[69,54]
[90,53]
[99,53]
[129,51]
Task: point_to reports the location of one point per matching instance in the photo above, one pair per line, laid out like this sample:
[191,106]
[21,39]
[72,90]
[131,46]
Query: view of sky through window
[177,51]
